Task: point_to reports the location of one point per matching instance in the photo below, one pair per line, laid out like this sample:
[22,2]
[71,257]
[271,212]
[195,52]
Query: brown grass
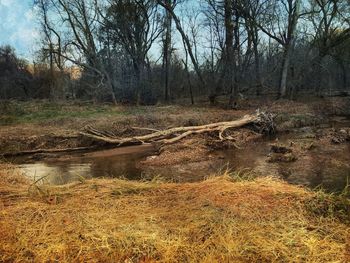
[218,220]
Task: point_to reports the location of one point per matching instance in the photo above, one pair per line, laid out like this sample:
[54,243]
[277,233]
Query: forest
[175,131]
[144,52]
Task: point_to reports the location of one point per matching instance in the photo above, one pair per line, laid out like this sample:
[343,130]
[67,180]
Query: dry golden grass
[221,219]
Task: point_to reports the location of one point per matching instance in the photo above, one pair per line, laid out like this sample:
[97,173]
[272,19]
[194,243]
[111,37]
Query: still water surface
[116,163]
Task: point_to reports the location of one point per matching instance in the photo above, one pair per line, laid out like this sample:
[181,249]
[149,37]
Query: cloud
[18,26]
[6,2]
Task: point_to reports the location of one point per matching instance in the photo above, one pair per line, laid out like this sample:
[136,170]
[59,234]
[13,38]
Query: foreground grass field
[222,219]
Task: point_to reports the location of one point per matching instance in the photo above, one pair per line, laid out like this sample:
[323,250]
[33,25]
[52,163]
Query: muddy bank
[311,157]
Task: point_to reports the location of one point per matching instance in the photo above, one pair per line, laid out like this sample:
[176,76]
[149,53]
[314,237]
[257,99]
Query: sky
[18,26]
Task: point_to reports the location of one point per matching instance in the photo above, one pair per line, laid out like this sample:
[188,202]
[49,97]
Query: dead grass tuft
[221,219]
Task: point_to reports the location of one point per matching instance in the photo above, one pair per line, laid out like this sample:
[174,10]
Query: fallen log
[263,122]
[30,152]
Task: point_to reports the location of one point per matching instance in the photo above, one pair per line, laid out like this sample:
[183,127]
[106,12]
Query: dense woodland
[149,51]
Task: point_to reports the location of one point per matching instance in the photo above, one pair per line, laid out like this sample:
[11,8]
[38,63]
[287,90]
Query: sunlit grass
[222,219]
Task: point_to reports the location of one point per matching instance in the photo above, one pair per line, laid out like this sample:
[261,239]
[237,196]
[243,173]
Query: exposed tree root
[262,122]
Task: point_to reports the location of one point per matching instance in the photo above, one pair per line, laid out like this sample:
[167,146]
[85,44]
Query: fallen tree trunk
[261,121]
[29,152]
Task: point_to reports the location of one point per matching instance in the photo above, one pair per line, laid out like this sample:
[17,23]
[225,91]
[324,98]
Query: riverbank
[225,218]
[56,125]
[314,136]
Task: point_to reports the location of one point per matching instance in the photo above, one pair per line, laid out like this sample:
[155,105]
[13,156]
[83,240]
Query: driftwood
[30,152]
[262,122]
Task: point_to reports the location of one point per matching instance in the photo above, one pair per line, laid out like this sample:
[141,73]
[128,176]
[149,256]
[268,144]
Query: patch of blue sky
[18,26]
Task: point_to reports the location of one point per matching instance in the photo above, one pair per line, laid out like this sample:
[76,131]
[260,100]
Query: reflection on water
[326,167]
[116,163]
[58,173]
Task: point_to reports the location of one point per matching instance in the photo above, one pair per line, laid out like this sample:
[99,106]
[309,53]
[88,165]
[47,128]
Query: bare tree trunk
[227,52]
[284,73]
[111,89]
[344,74]
[235,59]
[137,69]
[188,74]
[258,81]
[219,83]
[189,81]
[109,73]
[167,53]
[320,75]
[52,76]
[293,16]
[185,40]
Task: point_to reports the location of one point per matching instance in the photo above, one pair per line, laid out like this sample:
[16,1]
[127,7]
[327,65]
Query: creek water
[326,167]
[116,163]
